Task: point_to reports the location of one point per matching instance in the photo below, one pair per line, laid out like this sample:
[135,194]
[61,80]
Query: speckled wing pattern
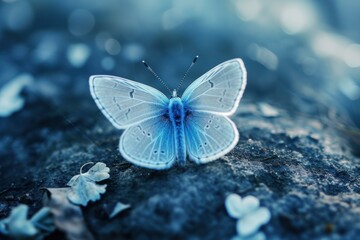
[148,140]
[219,90]
[209,136]
[209,133]
[150,144]
[125,102]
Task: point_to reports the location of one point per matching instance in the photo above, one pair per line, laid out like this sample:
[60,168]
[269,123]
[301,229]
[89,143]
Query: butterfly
[160,131]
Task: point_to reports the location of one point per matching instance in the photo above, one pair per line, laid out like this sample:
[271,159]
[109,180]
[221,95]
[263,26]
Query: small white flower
[250,216]
[84,187]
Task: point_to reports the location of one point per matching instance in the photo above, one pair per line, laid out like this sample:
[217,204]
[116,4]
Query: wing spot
[149,135]
[207,126]
[132,93]
[211,83]
[127,113]
[155,152]
[118,105]
[217,126]
[210,121]
[162,151]
[138,139]
[144,132]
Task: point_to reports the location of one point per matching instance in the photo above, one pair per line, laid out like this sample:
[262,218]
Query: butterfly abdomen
[176,114]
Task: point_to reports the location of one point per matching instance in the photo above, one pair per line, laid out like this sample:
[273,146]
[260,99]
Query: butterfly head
[174,93]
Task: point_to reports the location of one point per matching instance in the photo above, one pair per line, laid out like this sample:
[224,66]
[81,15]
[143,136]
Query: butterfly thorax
[177,115]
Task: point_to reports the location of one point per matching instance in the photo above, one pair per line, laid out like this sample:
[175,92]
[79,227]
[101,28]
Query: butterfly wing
[219,90]
[209,133]
[149,144]
[209,136]
[125,102]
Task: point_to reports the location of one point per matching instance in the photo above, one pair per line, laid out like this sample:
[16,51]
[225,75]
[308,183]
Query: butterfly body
[177,116]
[160,131]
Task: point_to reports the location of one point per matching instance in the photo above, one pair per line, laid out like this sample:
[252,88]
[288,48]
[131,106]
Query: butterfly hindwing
[219,90]
[209,136]
[149,144]
[125,102]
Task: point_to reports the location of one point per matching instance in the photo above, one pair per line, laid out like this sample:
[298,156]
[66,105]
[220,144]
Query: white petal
[237,207]
[119,207]
[250,224]
[10,98]
[98,172]
[249,204]
[232,203]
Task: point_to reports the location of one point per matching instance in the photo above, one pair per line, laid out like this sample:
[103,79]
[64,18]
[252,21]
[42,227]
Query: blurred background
[302,56]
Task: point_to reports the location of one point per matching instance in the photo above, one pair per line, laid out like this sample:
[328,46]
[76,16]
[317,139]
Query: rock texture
[290,155]
[296,165]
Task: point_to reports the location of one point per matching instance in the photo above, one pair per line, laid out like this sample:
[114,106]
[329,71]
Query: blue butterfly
[160,131]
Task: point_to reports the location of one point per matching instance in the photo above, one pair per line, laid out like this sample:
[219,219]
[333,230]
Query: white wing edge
[225,151]
[241,92]
[168,165]
[101,107]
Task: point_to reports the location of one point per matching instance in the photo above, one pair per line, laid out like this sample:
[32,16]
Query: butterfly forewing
[219,90]
[209,136]
[149,144]
[125,102]
[209,133]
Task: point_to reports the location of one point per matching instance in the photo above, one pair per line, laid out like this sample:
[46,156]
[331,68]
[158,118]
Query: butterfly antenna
[186,73]
[158,78]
